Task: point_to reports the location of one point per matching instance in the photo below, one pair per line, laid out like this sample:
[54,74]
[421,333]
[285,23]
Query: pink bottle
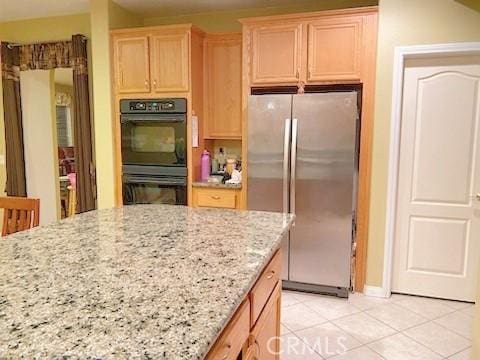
[205,164]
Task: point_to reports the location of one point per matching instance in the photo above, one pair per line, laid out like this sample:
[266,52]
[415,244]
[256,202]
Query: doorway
[64,113]
[435,208]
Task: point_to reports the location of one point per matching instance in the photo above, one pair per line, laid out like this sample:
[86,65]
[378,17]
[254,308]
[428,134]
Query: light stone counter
[144,281]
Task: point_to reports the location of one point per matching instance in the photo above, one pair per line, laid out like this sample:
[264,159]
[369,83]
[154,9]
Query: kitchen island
[144,281]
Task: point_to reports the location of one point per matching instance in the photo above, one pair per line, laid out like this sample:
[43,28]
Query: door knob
[477,197]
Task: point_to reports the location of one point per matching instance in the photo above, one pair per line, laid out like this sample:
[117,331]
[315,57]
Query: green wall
[225,21]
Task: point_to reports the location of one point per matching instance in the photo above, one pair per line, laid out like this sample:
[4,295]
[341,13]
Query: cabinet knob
[270,274]
[146,83]
[155,83]
[227,348]
[298,74]
[215,197]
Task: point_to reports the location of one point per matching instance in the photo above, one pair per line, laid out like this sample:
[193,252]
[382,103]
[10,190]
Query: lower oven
[151,188]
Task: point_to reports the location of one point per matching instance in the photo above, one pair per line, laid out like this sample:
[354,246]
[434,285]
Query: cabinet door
[223,87]
[266,332]
[170,62]
[131,59]
[334,49]
[276,53]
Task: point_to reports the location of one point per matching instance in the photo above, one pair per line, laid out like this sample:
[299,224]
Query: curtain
[85,170]
[46,56]
[12,109]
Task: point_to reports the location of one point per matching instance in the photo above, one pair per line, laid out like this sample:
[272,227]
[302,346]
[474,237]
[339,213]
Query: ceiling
[29,9]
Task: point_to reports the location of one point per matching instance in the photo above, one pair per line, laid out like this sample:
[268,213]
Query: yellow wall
[105,15]
[38,30]
[406,22]
[224,21]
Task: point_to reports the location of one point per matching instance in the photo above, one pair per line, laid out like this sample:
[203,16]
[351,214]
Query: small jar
[231,165]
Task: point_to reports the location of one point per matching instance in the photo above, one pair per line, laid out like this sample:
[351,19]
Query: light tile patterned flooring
[316,327]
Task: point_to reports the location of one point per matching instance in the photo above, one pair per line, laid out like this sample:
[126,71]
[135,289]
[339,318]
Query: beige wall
[105,15]
[406,22]
[224,21]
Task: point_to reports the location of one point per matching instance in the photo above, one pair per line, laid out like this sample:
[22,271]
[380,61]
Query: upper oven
[154,132]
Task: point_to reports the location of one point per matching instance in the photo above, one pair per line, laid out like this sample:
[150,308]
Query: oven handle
[152,118]
[154,180]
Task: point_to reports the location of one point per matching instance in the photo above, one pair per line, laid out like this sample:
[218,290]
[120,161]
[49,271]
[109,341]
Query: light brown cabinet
[276,53]
[216,198]
[233,338]
[305,49]
[152,61]
[265,336]
[131,64]
[334,49]
[223,86]
[170,61]
[247,340]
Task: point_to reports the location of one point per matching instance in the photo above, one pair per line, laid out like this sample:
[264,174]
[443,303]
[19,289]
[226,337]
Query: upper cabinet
[307,49]
[334,49]
[131,64]
[223,86]
[152,60]
[170,62]
[276,53]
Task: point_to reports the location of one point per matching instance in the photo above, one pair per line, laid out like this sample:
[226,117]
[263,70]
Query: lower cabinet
[231,343]
[249,338]
[265,336]
[216,198]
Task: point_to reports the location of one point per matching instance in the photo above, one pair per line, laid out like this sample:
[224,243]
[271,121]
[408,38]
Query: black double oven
[154,151]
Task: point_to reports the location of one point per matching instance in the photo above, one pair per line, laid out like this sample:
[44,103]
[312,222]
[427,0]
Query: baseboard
[375,291]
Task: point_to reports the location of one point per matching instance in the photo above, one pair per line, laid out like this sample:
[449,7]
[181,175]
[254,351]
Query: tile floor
[316,327]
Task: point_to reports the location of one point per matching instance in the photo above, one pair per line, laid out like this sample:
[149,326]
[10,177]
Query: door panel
[437,234]
[170,57]
[326,59]
[320,242]
[132,72]
[276,53]
[267,185]
[223,86]
[266,136]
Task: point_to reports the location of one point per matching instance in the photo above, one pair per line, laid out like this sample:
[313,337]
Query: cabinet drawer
[217,198]
[265,285]
[231,342]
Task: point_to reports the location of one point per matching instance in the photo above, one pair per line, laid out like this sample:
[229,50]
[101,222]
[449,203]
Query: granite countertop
[143,281]
[216,185]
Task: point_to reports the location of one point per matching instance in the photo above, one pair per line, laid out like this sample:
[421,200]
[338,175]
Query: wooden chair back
[19,214]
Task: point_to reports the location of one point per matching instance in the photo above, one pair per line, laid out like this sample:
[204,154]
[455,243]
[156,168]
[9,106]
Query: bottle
[205,164]
[221,160]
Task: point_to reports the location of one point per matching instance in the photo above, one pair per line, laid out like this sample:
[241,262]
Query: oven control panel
[153,106]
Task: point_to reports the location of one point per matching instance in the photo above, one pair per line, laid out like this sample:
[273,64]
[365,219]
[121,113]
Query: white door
[437,230]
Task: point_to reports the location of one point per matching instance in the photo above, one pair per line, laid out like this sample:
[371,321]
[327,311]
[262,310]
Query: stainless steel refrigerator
[302,158]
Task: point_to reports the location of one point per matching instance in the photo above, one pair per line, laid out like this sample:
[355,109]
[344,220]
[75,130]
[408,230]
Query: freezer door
[323,195]
[268,124]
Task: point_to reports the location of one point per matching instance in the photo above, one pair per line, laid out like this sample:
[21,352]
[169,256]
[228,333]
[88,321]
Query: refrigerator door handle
[293,165]
[286,151]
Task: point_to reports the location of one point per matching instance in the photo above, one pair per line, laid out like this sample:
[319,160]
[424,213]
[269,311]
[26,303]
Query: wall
[224,21]
[41,154]
[407,22]
[105,15]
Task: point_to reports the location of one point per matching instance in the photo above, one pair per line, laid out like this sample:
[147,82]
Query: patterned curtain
[46,56]
[85,170]
[12,109]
